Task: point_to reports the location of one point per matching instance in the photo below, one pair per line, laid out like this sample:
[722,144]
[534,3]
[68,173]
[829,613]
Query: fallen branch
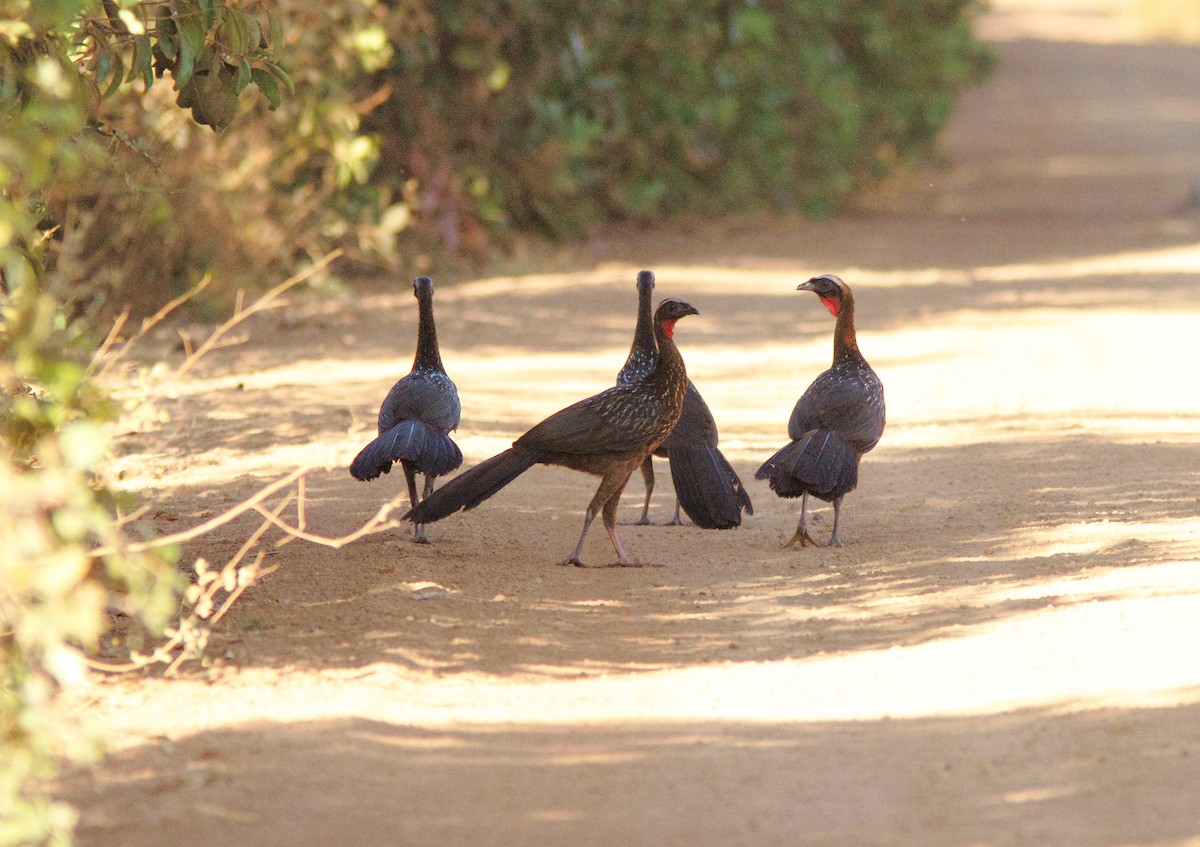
[240,314]
[211,524]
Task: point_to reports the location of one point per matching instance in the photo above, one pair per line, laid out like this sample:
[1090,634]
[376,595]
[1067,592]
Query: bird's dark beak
[806,286]
[692,310]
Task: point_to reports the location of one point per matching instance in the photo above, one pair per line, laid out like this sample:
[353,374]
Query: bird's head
[833,292]
[645,281]
[671,310]
[422,287]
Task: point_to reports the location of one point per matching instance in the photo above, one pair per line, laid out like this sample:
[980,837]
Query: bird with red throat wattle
[707,488]
[609,435]
[838,418]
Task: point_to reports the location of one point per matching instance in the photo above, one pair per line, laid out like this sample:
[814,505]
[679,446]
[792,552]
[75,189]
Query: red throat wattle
[668,328]
[833,304]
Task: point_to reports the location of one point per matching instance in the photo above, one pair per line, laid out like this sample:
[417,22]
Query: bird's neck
[428,358]
[670,368]
[643,334]
[845,342]
[642,353]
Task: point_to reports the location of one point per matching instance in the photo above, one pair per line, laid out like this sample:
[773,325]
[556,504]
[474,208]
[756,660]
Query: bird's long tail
[708,487]
[820,463]
[430,451]
[472,487]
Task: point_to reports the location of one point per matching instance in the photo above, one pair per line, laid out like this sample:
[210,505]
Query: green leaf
[237,34]
[268,86]
[167,33]
[191,39]
[253,32]
[209,8]
[283,76]
[113,64]
[276,35]
[142,59]
[243,77]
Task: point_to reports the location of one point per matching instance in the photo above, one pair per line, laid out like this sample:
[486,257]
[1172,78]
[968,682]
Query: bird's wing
[696,425]
[429,398]
[842,402]
[617,420]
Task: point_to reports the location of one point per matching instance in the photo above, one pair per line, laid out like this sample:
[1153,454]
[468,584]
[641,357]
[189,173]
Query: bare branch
[147,325]
[211,524]
[240,314]
[158,317]
[109,341]
[189,639]
[379,523]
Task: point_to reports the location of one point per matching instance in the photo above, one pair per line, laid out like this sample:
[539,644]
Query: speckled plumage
[707,488]
[417,415]
[840,417]
[608,434]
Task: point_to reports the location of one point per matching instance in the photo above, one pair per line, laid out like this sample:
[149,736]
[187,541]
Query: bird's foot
[643,521]
[419,537]
[835,540]
[676,521]
[802,538]
[627,564]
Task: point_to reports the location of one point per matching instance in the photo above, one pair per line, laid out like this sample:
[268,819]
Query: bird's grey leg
[677,520]
[648,476]
[607,497]
[622,560]
[574,559]
[410,476]
[610,525]
[600,500]
[835,540]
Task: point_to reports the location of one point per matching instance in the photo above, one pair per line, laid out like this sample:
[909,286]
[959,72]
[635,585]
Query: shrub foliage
[401,130]
[555,116]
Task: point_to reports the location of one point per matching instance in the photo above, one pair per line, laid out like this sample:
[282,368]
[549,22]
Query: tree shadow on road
[934,781]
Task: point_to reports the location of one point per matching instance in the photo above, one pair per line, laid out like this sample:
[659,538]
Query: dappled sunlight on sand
[963,376]
[1005,651]
[1086,654]
[1058,362]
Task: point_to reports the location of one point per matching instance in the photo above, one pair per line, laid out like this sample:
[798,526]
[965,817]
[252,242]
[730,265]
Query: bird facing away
[706,486]
[608,434]
[417,416]
[838,419]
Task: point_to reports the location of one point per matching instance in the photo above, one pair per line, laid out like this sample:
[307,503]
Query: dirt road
[1005,652]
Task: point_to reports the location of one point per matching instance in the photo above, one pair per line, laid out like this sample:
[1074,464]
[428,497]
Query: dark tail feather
[472,487]
[428,450]
[708,487]
[820,463]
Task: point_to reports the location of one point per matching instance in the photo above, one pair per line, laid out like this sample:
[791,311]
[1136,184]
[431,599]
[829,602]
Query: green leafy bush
[67,562]
[426,129]
[552,116]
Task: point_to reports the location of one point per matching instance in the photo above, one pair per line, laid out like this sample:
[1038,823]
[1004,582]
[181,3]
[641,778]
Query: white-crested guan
[838,419]
[706,486]
[416,416]
[609,435]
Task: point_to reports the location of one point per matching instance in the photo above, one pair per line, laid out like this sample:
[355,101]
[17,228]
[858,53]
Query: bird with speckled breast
[707,488]
[838,418]
[608,434]
[417,416]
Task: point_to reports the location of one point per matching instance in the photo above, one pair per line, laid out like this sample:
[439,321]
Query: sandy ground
[1005,652]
